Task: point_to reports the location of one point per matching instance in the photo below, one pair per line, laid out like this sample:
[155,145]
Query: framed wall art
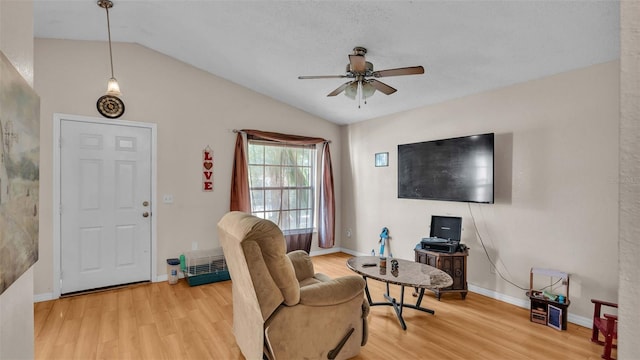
[382,159]
[19,174]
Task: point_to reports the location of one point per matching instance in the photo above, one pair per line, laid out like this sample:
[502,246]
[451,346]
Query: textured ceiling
[466,47]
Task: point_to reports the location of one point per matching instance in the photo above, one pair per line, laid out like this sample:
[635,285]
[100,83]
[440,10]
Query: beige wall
[629,292]
[16,309]
[192,109]
[556,175]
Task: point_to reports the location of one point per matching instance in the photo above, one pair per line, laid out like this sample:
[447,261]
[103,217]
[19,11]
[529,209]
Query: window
[281,183]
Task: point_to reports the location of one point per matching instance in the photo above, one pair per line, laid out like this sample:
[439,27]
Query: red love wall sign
[207,169]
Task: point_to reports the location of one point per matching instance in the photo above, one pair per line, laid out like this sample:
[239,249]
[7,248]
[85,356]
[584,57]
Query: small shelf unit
[545,310]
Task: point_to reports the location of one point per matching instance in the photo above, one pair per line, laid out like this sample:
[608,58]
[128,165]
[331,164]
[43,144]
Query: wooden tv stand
[454,264]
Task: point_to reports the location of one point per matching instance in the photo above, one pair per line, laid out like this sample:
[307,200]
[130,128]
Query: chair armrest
[302,264]
[605,303]
[336,291]
[610,316]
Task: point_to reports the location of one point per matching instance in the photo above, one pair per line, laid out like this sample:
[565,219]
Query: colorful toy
[384,236]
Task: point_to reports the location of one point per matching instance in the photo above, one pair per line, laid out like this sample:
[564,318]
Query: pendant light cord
[109,33]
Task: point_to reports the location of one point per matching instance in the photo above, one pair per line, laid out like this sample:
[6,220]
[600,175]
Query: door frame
[57,121]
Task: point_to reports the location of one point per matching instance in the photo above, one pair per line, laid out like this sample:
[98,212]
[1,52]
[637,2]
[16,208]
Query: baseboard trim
[353,253]
[524,303]
[43,297]
[325,251]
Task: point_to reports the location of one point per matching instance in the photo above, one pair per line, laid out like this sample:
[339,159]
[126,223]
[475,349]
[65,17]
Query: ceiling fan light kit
[361,71]
[110,105]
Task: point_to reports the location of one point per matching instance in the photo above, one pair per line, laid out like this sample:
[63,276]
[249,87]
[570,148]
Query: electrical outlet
[167,199]
[348,233]
[194,245]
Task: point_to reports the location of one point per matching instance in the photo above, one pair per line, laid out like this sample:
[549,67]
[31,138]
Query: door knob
[145,214]
[145,203]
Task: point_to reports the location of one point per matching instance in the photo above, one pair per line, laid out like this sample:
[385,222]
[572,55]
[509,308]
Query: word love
[207,169]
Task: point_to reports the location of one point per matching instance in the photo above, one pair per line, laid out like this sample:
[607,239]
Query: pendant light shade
[113,88]
[367,89]
[352,90]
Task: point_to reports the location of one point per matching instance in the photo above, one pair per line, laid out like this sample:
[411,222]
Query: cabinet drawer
[432,261]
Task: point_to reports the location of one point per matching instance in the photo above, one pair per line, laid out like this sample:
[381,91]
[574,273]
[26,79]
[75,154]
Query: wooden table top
[409,273]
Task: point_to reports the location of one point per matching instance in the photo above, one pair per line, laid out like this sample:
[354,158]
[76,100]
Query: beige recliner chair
[281,309]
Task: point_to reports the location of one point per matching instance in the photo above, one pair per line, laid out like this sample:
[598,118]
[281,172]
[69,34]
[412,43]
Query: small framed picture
[382,159]
[555,317]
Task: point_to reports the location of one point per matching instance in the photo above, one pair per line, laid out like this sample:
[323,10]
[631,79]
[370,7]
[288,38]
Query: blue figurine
[384,236]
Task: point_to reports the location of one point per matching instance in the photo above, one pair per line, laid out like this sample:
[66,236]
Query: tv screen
[457,169]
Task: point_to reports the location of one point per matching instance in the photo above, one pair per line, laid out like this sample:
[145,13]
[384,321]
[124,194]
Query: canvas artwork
[19,174]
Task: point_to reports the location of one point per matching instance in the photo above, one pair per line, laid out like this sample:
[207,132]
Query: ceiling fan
[364,77]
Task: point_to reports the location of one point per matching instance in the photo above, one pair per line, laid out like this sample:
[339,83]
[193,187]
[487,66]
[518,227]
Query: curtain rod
[242,132]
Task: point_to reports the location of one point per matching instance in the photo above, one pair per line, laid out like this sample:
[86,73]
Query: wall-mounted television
[456,169]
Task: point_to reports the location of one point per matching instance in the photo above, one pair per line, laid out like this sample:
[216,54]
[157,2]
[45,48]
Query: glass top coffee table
[406,273]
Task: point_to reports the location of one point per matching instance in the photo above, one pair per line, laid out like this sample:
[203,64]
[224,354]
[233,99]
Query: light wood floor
[162,321]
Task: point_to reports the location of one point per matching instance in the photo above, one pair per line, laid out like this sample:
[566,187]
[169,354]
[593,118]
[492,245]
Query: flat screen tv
[457,169]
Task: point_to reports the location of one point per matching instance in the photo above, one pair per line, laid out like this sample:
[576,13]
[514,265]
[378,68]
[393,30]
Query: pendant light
[110,105]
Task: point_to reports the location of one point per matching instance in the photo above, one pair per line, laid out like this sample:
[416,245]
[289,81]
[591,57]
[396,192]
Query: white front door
[105,212]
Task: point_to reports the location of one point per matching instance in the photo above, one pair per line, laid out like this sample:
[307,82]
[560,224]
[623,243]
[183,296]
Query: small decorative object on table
[394,268]
[394,265]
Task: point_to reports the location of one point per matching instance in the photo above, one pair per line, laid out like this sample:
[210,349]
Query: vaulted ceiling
[466,47]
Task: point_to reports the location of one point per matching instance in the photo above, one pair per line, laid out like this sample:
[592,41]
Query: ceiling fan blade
[340,89]
[413,70]
[382,87]
[322,77]
[358,64]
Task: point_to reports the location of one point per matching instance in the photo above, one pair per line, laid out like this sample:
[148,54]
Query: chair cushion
[302,264]
[273,247]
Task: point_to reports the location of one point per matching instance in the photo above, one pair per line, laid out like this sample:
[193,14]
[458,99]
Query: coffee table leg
[419,301]
[401,300]
[397,307]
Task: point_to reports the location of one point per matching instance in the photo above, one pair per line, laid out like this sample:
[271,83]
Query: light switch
[167,199]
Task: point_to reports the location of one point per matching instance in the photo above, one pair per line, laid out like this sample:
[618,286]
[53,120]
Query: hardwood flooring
[162,321]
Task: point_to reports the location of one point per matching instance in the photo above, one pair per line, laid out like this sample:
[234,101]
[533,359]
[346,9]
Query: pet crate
[205,266]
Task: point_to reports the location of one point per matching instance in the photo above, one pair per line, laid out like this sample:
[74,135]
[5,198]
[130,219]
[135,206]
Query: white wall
[629,292]
[556,176]
[192,109]
[16,303]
